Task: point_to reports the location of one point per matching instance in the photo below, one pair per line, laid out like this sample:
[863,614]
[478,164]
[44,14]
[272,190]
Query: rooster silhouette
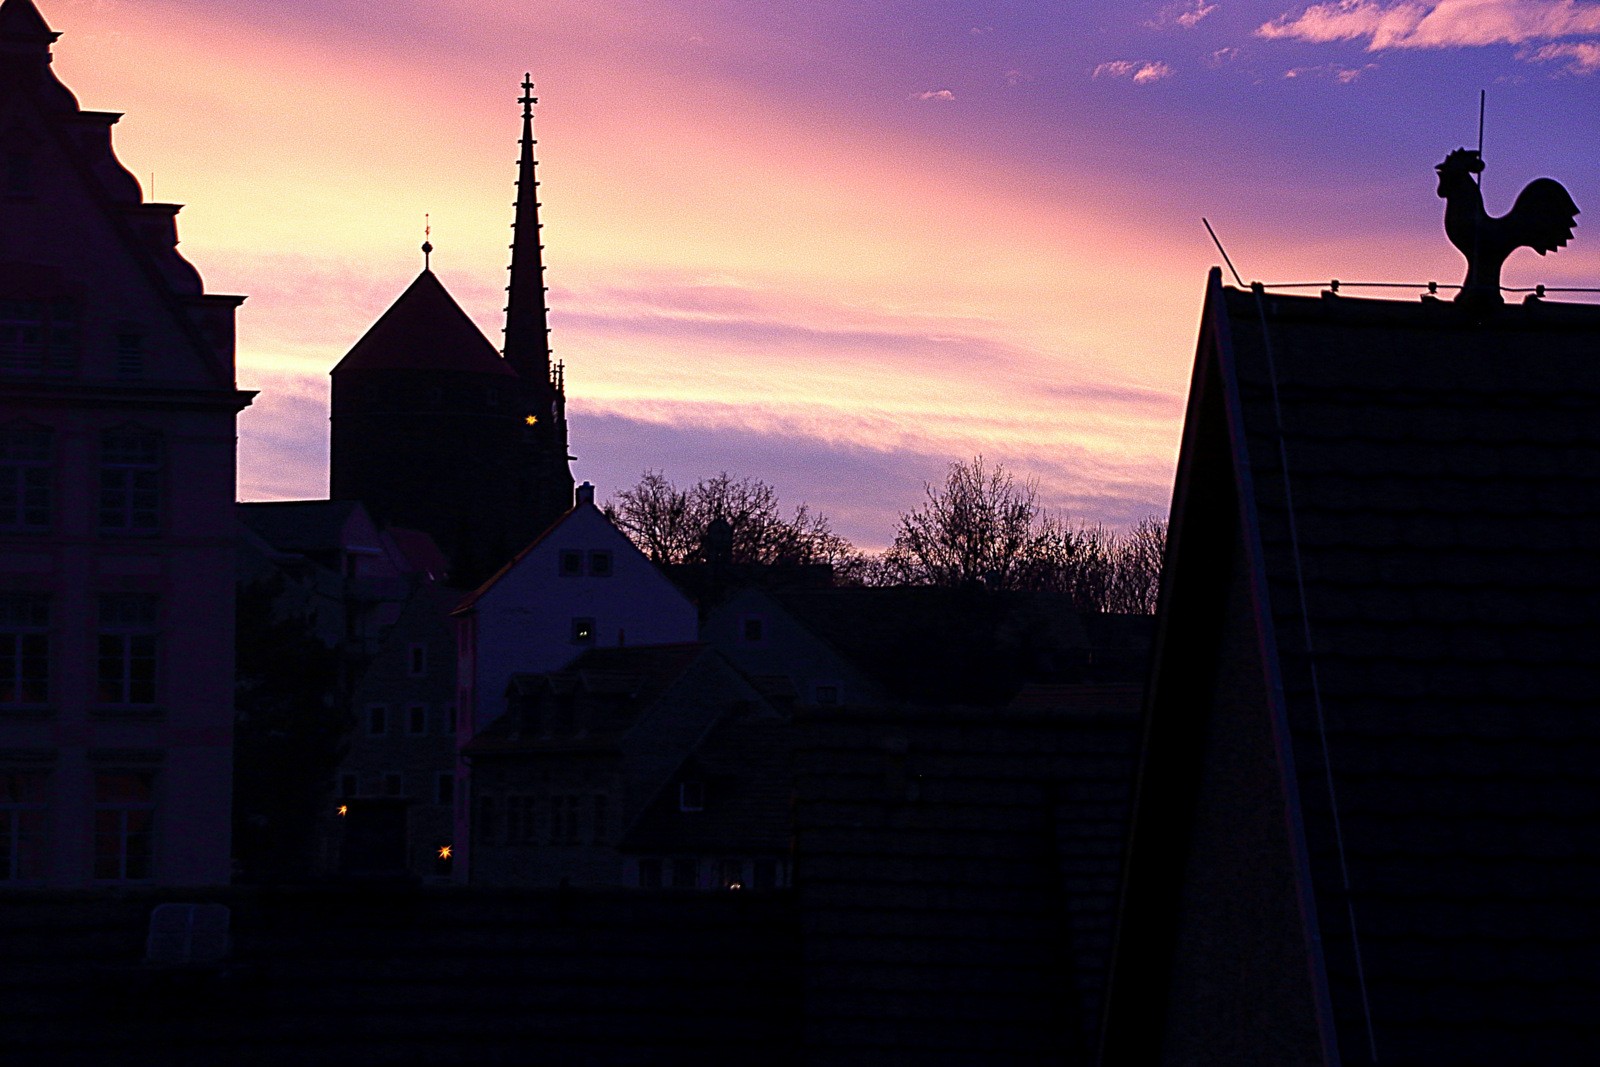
[1542,219]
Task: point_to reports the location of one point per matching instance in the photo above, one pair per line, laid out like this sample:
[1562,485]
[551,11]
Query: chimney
[586,494]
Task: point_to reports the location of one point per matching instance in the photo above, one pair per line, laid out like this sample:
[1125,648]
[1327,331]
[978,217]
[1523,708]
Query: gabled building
[117,407]
[1367,827]
[434,430]
[559,781]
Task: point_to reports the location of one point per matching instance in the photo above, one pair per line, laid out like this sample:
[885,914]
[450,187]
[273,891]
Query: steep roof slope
[1418,520]
[425,329]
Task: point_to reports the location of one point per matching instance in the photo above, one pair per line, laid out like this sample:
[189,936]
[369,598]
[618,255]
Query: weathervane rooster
[1542,219]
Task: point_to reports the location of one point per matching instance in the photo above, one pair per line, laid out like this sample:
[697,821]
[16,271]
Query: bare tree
[670,525]
[982,527]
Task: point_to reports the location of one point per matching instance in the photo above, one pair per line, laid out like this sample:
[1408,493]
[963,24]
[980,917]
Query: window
[25,479]
[563,820]
[347,785]
[124,826]
[520,818]
[488,820]
[753,628]
[377,720]
[450,716]
[18,165]
[445,789]
[417,719]
[600,564]
[24,648]
[126,649]
[649,874]
[417,660]
[764,874]
[571,563]
[599,829]
[22,826]
[827,694]
[685,873]
[691,796]
[393,785]
[130,354]
[130,482]
[583,631]
[38,336]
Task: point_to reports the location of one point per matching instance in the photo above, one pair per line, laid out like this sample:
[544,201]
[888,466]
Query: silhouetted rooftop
[425,329]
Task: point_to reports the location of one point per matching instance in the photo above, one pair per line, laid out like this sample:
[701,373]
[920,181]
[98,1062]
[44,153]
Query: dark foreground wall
[377,975]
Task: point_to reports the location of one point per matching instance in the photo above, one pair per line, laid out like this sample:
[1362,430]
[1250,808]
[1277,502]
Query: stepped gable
[425,329]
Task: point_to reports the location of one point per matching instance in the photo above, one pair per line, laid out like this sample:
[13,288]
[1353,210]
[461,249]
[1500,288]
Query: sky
[833,245]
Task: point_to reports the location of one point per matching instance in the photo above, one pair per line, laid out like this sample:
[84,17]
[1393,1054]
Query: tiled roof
[425,329]
[1442,684]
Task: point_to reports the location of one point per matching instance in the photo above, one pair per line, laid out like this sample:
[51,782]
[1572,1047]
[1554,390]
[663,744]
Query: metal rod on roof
[1218,242]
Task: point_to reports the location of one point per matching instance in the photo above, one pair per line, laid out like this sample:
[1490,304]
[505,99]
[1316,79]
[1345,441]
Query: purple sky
[833,245]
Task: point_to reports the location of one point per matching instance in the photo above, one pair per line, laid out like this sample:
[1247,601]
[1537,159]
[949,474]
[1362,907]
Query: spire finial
[527,99]
[427,245]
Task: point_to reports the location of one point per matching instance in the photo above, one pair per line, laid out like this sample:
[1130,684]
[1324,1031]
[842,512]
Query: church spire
[527,346]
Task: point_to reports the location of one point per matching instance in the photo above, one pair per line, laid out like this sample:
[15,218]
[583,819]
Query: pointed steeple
[527,346]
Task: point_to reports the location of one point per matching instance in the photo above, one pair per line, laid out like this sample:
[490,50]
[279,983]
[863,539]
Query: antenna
[1483,95]
[1218,242]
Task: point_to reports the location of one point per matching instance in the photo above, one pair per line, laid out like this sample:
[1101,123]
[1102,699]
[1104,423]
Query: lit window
[600,564]
[126,649]
[130,482]
[583,631]
[691,796]
[417,660]
[124,826]
[24,648]
[377,720]
[571,563]
[417,719]
[22,826]
[25,479]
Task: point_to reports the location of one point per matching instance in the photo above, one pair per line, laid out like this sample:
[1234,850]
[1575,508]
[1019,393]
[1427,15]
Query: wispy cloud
[1582,57]
[1184,13]
[934,94]
[1341,74]
[1141,71]
[1443,24]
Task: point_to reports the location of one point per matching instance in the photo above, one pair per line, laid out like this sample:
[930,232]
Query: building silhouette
[117,406]
[434,430]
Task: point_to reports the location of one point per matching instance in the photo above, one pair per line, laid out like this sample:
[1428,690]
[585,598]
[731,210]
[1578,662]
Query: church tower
[434,430]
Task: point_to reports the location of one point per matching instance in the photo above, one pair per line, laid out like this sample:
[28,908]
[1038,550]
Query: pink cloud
[1141,71]
[1185,13]
[1583,57]
[934,94]
[1444,24]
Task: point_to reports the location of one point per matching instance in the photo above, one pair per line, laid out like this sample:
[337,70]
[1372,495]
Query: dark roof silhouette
[425,329]
[306,526]
[1385,697]
[20,20]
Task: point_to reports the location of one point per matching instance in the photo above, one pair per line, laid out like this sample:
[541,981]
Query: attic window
[753,628]
[130,354]
[417,660]
[18,166]
[691,796]
[571,563]
[600,564]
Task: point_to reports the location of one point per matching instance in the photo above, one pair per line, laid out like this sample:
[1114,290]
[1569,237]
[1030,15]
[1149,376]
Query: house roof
[306,526]
[471,599]
[1418,505]
[425,329]
[609,689]
[945,645]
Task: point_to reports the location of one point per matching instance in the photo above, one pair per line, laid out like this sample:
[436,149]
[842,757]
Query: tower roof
[425,329]
[527,320]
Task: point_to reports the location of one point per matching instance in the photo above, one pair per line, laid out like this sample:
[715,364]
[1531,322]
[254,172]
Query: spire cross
[427,245]
[527,99]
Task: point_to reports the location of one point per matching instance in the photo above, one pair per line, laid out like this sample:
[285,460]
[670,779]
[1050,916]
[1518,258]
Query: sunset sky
[832,245]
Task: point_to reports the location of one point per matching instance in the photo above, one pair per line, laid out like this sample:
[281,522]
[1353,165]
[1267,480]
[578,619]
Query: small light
[532,420]
[344,809]
[735,885]
[445,852]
